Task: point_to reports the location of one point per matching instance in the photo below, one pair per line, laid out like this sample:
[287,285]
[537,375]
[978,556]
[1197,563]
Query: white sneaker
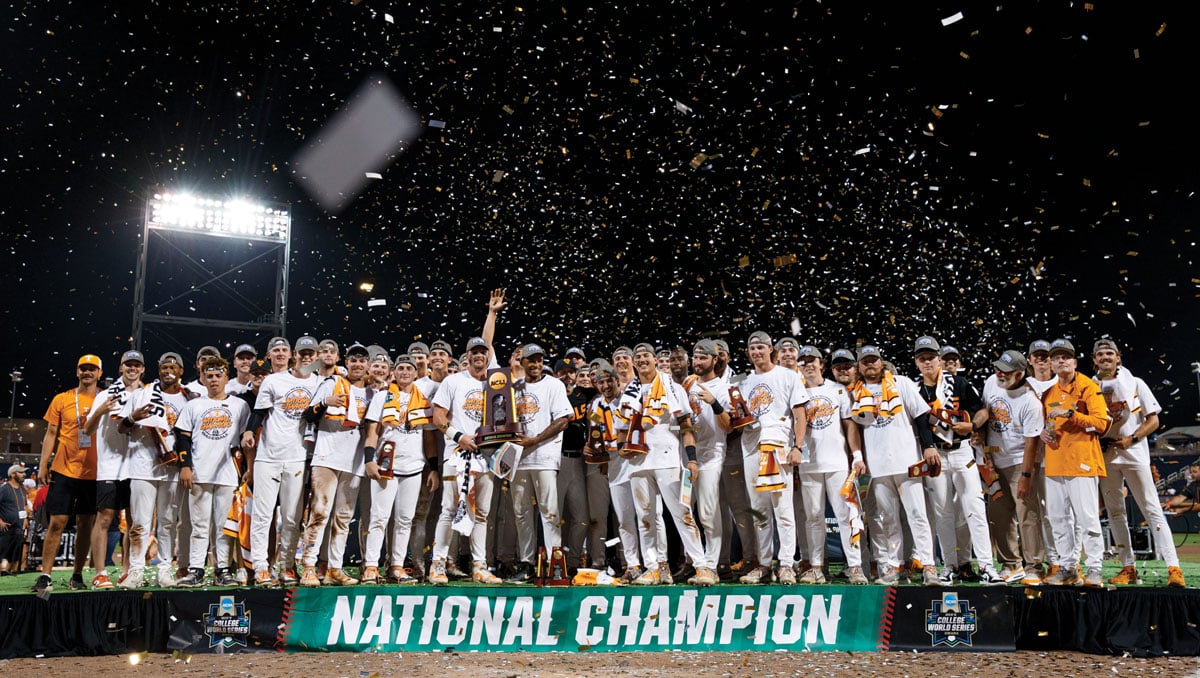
[989,577]
[133,579]
[1012,574]
[166,576]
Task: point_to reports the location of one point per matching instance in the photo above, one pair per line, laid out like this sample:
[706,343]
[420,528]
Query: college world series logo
[951,621]
[227,623]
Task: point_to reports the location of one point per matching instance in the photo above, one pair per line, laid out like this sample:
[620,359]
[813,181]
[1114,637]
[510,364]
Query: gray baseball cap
[759,337]
[418,347]
[133,355]
[1062,345]
[306,343]
[1011,361]
[842,355]
[530,350]
[276,342]
[1039,345]
[245,348]
[926,345]
[810,351]
[869,351]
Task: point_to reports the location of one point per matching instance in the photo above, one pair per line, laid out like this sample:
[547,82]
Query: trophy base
[497,436]
[743,423]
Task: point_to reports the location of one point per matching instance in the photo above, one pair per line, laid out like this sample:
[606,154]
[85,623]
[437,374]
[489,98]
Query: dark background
[1026,172]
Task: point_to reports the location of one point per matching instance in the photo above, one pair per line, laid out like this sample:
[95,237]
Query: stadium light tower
[191,233]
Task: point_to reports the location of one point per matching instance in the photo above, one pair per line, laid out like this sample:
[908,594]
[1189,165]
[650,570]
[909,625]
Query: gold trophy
[501,422]
[595,452]
[739,412]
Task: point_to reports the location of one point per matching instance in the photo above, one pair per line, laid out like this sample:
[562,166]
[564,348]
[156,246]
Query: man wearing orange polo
[1076,417]
[72,474]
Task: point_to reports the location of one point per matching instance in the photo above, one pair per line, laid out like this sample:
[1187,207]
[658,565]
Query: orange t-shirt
[69,459]
[1077,452]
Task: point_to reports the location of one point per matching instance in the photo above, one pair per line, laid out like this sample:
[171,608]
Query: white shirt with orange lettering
[216,428]
[538,406]
[771,396]
[286,396]
[828,404]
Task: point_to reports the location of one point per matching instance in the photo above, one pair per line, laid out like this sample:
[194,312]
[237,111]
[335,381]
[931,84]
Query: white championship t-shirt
[827,407]
[891,444]
[142,462]
[541,403]
[710,439]
[1013,416]
[337,447]
[771,396]
[286,396]
[409,457]
[216,428]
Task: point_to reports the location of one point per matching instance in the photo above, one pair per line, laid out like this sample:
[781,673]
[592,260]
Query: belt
[572,454]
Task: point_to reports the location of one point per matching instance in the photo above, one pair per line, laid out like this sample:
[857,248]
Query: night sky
[874,171]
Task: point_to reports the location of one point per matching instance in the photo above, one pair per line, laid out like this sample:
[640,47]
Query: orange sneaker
[1128,575]
[101,581]
[1175,577]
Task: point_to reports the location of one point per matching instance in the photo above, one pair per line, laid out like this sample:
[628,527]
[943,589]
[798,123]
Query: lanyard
[78,419]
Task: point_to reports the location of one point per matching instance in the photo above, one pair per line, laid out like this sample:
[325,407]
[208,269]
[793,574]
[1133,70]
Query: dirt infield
[724,664]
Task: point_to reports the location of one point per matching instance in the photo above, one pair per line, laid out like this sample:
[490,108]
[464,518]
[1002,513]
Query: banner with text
[603,619]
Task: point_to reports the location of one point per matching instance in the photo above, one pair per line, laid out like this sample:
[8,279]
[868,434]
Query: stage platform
[468,618]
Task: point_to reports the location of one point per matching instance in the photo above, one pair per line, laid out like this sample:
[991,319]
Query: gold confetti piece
[1028,30]
[634,80]
[964,55]
[1161,29]
[937,112]
[1087,7]
[1131,253]
[507,109]
[698,160]
[743,262]
[1087,182]
[784,260]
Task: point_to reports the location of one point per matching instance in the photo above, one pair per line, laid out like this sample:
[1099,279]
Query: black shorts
[70,496]
[112,495]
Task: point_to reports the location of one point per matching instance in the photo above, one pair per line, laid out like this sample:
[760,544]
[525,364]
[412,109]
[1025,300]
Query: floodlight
[234,218]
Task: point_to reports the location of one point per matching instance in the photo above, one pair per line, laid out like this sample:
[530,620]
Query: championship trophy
[558,568]
[501,422]
[739,412]
[636,443]
[946,419]
[386,459]
[165,454]
[925,468]
[595,452]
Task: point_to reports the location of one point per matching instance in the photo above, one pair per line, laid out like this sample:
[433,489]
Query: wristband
[457,435]
[1026,475]
[856,455]
[690,451]
[431,463]
[128,421]
[368,454]
[716,408]
[1133,440]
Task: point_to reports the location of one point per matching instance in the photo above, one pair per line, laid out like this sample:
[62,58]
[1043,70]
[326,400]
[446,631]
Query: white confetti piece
[952,19]
[376,302]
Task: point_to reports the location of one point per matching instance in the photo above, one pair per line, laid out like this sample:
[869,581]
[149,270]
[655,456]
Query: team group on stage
[258,466]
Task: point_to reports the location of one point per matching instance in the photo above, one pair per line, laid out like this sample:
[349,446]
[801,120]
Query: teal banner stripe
[388,619]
